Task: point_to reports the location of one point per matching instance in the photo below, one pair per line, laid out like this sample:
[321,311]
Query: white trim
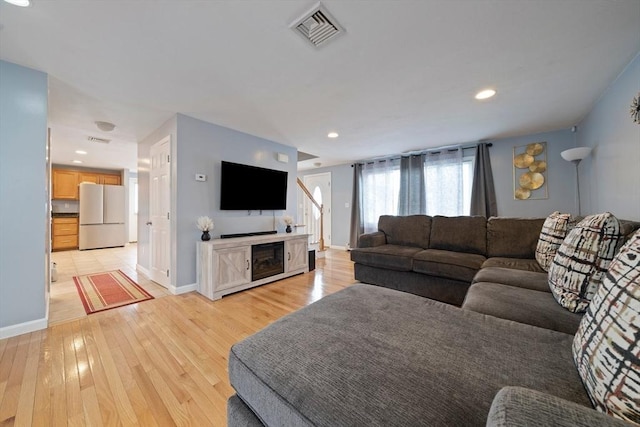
[143,270]
[183,289]
[23,328]
[342,248]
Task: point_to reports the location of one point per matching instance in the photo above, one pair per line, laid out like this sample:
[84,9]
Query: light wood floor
[64,302]
[159,362]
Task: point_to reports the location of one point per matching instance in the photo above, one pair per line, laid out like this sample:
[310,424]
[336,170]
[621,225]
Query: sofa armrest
[518,406]
[370,240]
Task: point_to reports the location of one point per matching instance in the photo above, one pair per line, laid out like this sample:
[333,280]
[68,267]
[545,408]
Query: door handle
[248,265]
[149,223]
[288,256]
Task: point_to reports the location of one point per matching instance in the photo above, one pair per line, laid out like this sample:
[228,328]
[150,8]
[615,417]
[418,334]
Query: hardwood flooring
[160,362]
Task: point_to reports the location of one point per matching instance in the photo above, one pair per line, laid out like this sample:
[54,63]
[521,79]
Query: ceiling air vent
[317,26]
[100,140]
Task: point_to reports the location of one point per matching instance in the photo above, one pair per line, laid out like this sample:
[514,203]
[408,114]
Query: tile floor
[64,302]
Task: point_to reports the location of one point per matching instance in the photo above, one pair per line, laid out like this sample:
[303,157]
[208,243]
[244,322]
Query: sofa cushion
[513,237]
[606,346]
[393,257]
[520,305]
[519,406]
[582,259]
[518,278]
[554,230]
[514,263]
[452,265]
[373,356]
[412,230]
[459,233]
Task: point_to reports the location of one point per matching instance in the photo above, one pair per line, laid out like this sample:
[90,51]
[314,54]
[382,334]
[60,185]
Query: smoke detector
[100,140]
[105,126]
[317,26]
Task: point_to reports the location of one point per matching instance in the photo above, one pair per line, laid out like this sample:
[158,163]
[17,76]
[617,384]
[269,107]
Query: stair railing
[320,207]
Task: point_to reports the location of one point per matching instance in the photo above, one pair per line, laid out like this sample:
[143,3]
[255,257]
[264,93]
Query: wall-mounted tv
[251,188]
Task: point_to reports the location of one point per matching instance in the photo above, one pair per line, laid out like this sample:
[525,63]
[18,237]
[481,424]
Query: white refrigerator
[102,216]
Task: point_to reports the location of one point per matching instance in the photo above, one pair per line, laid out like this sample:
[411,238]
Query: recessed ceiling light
[484,94]
[332,134]
[21,3]
[80,152]
[77,161]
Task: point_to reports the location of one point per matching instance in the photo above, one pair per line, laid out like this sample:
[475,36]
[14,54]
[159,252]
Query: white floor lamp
[575,155]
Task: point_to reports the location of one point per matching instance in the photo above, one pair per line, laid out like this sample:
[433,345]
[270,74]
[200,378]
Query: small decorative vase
[205,236]
[288,229]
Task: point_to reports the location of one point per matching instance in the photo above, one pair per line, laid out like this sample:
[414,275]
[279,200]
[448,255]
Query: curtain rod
[417,153]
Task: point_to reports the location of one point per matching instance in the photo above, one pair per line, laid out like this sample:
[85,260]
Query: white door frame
[160,212]
[326,202]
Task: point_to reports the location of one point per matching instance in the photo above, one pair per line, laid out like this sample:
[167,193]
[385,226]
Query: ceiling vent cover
[317,26]
[100,140]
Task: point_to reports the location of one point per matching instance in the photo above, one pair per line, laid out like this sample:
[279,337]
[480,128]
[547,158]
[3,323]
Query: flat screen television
[251,188]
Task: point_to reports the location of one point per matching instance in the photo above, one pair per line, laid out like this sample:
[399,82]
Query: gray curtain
[412,197]
[483,193]
[357,224]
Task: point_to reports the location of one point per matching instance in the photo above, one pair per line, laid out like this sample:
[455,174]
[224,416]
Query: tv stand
[225,266]
[253,233]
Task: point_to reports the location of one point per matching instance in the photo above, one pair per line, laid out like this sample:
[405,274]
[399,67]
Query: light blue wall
[560,176]
[609,177]
[342,188]
[199,147]
[23,196]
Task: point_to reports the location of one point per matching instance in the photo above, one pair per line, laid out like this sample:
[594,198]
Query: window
[448,178]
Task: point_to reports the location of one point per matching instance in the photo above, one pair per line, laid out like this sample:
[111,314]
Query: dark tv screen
[244,187]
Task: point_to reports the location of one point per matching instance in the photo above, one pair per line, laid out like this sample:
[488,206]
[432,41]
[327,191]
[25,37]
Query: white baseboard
[23,328]
[342,248]
[183,289]
[143,270]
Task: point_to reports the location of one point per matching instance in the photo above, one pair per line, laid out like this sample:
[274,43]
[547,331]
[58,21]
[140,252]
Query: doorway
[319,185]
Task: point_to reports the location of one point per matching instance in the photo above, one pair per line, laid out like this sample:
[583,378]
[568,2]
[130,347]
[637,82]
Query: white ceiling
[401,78]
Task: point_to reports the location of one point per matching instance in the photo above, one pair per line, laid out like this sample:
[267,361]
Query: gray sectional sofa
[438,257]
[372,356]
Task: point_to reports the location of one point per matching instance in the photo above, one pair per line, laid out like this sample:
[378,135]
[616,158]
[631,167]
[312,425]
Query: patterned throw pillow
[605,348]
[582,259]
[554,230]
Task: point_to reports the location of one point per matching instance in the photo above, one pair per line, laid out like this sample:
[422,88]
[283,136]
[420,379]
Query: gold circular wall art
[522,193]
[531,180]
[523,161]
[538,166]
[534,149]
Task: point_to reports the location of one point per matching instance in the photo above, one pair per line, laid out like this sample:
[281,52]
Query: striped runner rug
[104,291]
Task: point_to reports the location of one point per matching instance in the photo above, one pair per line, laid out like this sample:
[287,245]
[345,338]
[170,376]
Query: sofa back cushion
[412,230]
[513,237]
[554,230]
[459,233]
[606,346]
[582,259]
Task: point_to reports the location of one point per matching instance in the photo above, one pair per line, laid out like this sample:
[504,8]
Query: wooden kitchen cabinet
[65,184]
[100,178]
[110,179]
[89,177]
[64,233]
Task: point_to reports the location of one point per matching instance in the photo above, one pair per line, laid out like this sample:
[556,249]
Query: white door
[159,216]
[319,185]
